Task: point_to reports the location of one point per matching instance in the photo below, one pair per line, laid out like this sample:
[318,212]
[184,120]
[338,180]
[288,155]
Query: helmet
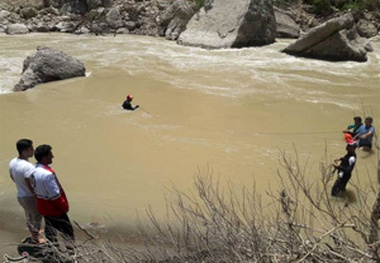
[129,97]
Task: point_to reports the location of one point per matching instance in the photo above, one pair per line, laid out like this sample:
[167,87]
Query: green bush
[322,6]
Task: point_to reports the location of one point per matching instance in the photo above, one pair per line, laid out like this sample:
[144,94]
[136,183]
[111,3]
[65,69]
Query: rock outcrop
[231,24]
[48,65]
[286,25]
[366,28]
[175,18]
[334,40]
[16,29]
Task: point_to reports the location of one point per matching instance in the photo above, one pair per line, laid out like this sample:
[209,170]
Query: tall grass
[301,223]
[218,222]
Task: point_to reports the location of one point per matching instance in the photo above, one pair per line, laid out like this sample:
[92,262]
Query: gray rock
[4,14]
[82,30]
[64,26]
[114,18]
[52,10]
[16,29]
[48,65]
[334,40]
[122,30]
[28,12]
[74,7]
[175,18]
[366,28]
[234,24]
[286,25]
[42,27]
[130,25]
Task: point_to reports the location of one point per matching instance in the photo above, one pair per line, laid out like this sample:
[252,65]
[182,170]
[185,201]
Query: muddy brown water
[228,113]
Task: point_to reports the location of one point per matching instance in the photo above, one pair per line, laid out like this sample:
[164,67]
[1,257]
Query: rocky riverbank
[149,17]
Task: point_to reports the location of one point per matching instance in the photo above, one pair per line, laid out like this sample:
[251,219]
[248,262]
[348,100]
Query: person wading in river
[353,129]
[127,104]
[345,168]
[365,134]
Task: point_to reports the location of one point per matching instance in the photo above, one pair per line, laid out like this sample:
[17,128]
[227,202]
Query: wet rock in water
[367,29]
[4,14]
[334,40]
[231,24]
[48,65]
[16,29]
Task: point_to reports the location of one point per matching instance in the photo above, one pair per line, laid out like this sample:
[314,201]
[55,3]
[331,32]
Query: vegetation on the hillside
[323,6]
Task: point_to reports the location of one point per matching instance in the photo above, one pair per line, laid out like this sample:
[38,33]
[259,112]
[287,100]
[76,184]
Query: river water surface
[223,112]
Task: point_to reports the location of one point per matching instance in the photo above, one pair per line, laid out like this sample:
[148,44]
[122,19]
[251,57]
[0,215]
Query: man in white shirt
[21,170]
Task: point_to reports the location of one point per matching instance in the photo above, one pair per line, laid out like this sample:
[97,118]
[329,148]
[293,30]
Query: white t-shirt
[19,170]
[45,184]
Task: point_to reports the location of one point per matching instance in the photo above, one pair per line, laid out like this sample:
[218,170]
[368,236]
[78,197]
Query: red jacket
[51,199]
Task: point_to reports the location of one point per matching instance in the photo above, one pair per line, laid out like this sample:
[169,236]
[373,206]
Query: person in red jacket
[51,198]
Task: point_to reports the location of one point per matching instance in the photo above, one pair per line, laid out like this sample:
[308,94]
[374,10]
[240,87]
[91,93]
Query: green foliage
[322,6]
[200,2]
[285,3]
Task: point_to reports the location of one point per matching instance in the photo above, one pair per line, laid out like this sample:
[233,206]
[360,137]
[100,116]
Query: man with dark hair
[353,129]
[345,168]
[365,134]
[51,198]
[21,170]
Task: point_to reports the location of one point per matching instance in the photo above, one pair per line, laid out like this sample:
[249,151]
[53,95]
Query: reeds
[298,222]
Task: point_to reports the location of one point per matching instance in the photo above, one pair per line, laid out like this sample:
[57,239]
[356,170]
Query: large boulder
[28,12]
[366,28]
[235,24]
[47,65]
[175,18]
[16,29]
[4,14]
[113,18]
[334,40]
[286,27]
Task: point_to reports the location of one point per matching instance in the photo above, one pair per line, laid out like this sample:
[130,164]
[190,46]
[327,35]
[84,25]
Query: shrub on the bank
[301,223]
[360,5]
[322,6]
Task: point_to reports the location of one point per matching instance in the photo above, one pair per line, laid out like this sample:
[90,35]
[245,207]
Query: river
[228,113]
